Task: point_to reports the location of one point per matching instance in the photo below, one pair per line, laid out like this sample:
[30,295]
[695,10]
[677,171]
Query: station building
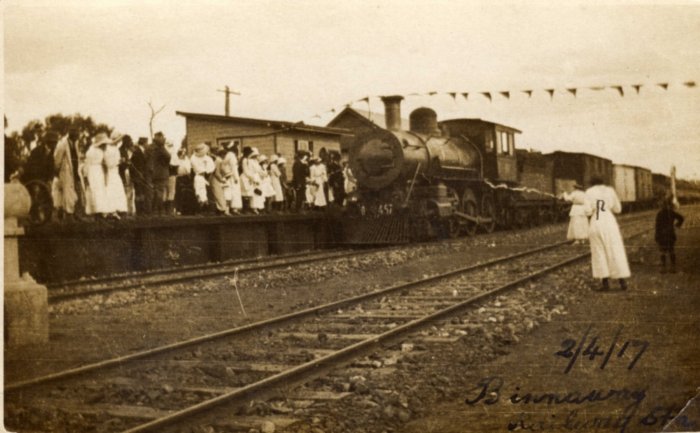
[269,136]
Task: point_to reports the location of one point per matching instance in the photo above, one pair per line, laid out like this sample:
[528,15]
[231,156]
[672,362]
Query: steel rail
[68,284]
[113,362]
[12,387]
[341,355]
[230,268]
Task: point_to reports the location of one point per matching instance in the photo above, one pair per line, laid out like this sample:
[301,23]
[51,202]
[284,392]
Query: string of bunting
[506,94]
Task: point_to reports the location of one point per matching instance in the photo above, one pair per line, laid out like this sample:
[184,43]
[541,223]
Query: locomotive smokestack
[392,112]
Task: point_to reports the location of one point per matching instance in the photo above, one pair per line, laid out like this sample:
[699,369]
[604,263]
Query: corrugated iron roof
[278,124]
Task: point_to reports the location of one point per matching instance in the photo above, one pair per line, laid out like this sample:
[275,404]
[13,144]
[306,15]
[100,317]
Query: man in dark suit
[140,177]
[39,165]
[300,171]
[158,163]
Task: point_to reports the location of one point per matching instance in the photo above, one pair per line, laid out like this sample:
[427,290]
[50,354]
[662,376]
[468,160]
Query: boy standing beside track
[665,235]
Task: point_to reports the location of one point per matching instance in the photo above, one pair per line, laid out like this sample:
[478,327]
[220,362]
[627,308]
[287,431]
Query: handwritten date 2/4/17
[593,348]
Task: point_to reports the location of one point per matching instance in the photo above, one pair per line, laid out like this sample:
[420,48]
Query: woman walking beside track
[608,257]
[665,234]
[578,221]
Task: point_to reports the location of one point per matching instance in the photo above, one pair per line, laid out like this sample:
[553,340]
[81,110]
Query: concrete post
[26,304]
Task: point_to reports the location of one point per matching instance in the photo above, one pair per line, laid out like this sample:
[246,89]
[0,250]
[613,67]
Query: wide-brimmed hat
[100,139]
[254,152]
[262,158]
[281,160]
[273,158]
[201,149]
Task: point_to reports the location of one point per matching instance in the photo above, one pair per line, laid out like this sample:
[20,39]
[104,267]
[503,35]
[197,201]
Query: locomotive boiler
[434,179]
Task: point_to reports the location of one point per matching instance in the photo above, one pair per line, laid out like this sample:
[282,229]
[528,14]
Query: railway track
[100,286]
[189,382]
[77,289]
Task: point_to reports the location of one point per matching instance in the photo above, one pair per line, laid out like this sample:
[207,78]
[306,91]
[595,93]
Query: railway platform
[58,252]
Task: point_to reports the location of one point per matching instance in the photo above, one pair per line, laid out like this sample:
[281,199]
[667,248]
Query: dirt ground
[514,342]
[99,328]
[527,389]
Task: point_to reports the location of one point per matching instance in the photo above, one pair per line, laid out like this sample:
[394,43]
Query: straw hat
[254,152]
[262,158]
[101,139]
[273,158]
[281,160]
[201,149]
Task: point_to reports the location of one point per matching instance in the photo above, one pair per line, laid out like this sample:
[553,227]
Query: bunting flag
[529,92]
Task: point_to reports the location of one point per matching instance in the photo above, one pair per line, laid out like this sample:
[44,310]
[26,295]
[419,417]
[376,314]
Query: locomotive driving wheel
[488,210]
[468,206]
[452,227]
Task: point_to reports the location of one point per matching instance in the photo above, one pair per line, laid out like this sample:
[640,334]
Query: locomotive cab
[495,142]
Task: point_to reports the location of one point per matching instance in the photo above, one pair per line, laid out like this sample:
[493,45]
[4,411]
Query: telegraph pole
[228,92]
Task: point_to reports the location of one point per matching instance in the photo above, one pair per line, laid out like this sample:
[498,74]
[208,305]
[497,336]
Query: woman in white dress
[608,257]
[202,167]
[318,178]
[231,160]
[116,195]
[250,181]
[95,174]
[578,221]
[275,175]
[220,184]
[266,182]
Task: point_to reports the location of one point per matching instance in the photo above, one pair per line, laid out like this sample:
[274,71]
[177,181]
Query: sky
[297,60]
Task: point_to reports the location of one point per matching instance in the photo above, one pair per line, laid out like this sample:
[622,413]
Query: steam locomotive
[439,180]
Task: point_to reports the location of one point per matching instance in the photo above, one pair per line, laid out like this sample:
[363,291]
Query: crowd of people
[109,178]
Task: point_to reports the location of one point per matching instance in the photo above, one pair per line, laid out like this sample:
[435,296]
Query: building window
[305,145]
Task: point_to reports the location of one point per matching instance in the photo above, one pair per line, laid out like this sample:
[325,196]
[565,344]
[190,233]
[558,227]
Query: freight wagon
[570,168]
